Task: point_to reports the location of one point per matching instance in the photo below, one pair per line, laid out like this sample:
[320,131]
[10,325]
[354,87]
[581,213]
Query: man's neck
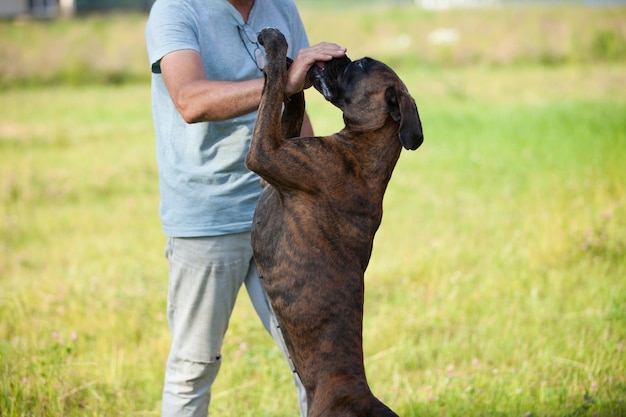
[243,6]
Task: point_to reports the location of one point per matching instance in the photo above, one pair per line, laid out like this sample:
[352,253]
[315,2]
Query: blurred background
[39,45]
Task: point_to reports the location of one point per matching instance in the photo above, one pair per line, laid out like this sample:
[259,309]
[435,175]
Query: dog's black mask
[325,76]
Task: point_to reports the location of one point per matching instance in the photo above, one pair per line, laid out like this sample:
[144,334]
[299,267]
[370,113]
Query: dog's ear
[403,110]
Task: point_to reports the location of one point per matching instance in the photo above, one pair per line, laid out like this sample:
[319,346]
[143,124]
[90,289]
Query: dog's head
[368,92]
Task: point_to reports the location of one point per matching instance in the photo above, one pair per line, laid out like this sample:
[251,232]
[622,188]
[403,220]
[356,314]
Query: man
[206,87]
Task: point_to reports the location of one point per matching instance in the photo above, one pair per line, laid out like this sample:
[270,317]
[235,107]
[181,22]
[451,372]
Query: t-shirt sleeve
[171,27]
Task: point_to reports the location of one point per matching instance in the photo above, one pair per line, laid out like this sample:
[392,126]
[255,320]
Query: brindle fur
[315,222]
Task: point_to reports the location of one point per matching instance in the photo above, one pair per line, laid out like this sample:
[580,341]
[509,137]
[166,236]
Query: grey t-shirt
[205,188]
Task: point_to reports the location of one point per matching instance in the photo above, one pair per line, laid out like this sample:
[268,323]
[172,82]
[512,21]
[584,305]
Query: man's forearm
[205,100]
[200,100]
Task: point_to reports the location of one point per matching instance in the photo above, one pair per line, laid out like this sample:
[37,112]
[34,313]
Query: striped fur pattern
[315,222]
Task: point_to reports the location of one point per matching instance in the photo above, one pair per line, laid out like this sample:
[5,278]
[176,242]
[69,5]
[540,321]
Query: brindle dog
[315,222]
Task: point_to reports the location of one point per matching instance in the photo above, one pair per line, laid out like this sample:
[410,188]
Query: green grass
[497,283]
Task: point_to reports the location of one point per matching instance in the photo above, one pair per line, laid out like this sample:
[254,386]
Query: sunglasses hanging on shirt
[249,38]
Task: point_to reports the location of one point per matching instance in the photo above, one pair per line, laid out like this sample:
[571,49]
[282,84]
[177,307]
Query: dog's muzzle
[325,75]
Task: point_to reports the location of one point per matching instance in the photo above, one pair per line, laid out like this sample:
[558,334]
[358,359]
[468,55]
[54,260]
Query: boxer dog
[314,225]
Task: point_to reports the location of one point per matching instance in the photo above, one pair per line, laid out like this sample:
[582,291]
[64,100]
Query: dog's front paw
[273,41]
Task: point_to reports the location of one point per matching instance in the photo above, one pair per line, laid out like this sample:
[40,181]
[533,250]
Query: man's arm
[199,100]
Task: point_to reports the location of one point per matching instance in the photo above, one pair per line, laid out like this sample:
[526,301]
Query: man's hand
[307,57]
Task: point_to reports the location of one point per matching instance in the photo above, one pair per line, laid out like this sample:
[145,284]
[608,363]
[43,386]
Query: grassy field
[497,286]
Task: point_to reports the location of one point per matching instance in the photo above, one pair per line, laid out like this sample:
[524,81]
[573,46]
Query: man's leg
[205,277]
[261,304]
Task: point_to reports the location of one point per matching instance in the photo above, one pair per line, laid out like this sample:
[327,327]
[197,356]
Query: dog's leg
[273,154]
[266,136]
[293,113]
